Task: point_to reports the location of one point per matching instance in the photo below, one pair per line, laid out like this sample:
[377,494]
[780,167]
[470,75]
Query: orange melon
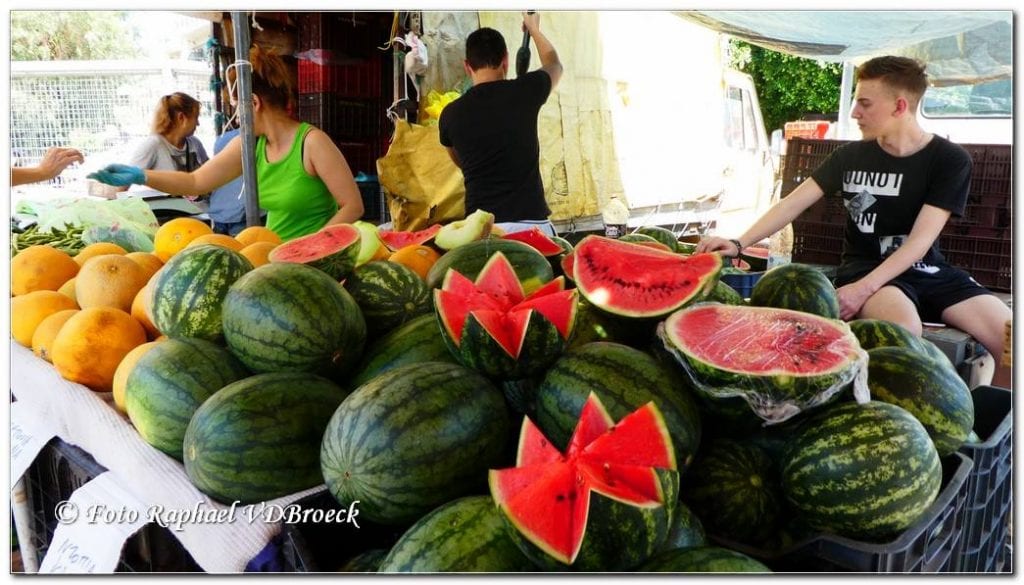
[257,233]
[173,236]
[418,258]
[42,339]
[29,310]
[149,263]
[110,280]
[124,369]
[223,240]
[140,311]
[41,268]
[257,253]
[68,289]
[92,343]
[98,249]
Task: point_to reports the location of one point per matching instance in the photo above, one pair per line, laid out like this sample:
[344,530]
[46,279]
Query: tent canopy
[959,46]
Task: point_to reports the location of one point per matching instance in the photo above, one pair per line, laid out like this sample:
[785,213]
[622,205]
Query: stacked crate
[979,242]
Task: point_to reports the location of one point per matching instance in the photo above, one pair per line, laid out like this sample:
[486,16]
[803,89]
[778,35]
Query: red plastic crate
[361,80]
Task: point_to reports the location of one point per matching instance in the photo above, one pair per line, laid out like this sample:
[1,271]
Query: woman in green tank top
[304,181]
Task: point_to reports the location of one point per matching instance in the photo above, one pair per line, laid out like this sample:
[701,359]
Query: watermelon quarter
[396,240]
[605,504]
[639,281]
[333,249]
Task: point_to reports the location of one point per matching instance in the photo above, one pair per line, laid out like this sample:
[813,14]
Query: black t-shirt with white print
[884,194]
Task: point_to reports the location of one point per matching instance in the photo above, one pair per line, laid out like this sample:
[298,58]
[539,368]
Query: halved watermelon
[492,326]
[538,240]
[333,249]
[780,361]
[639,281]
[756,257]
[606,504]
[398,240]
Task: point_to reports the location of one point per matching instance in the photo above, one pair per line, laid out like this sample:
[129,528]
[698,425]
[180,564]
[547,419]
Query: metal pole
[243,85]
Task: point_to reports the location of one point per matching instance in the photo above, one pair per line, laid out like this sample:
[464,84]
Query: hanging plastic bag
[436,103]
[422,184]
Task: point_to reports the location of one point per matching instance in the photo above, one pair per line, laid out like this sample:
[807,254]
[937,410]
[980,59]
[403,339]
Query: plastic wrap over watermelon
[781,362]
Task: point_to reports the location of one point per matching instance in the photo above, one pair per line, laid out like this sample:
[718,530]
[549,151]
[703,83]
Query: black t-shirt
[493,129]
[883,194]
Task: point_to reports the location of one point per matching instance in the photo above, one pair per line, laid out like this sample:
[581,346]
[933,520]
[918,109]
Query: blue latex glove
[119,175]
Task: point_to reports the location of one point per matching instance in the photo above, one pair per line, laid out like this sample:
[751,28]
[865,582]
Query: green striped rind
[660,234]
[169,383]
[337,262]
[478,350]
[934,393]
[872,333]
[556,260]
[798,287]
[415,342]
[686,530]
[364,562]
[935,353]
[861,470]
[710,559]
[618,536]
[463,536]
[388,294]
[624,379]
[189,291]
[530,266]
[725,294]
[638,238]
[413,438]
[259,438]
[289,317]
[733,486]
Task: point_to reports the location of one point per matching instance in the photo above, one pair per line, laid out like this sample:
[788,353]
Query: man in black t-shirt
[899,185]
[491,131]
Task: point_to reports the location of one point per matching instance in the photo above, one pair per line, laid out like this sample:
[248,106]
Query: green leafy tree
[57,35]
[788,86]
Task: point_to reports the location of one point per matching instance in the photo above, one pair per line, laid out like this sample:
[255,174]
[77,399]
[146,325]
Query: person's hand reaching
[57,159]
[119,175]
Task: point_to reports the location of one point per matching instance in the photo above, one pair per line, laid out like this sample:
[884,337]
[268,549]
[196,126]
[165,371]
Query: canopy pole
[243,86]
[845,101]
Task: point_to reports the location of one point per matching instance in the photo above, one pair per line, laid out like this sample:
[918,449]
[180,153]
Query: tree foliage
[788,86]
[57,35]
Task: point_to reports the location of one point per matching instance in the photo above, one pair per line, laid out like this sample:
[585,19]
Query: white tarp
[959,46]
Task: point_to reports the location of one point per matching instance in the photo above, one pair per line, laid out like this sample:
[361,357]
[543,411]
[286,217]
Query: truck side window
[734,118]
[749,123]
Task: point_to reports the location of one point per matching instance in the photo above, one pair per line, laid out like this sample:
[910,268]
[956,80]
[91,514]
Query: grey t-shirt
[156,154]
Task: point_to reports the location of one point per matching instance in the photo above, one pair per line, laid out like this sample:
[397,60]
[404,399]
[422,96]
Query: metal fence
[102,108]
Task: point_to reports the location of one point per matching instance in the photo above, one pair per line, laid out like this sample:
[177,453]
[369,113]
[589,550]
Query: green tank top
[297,203]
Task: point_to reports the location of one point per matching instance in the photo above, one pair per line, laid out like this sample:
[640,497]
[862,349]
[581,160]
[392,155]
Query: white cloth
[83,418]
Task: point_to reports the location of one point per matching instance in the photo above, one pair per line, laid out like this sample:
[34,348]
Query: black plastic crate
[986,259]
[817,242]
[930,546]
[341,118]
[989,487]
[317,546]
[59,470]
[803,156]
[374,207]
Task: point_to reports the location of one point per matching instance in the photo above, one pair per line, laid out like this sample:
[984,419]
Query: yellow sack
[422,184]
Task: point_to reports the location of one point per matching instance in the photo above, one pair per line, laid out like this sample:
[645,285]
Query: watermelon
[492,326]
[798,287]
[168,384]
[532,268]
[388,294]
[556,260]
[188,293]
[863,471]
[711,559]
[638,238]
[412,439]
[872,333]
[537,240]
[637,281]
[723,293]
[934,393]
[466,535]
[756,257]
[624,379]
[285,317]
[395,240]
[734,487]
[606,504]
[935,353]
[686,531]
[415,342]
[780,361]
[365,562]
[333,249]
[259,438]
[660,234]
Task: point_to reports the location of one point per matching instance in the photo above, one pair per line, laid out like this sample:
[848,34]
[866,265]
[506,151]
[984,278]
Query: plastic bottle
[780,247]
[615,215]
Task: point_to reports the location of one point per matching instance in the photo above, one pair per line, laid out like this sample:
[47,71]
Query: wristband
[739,247]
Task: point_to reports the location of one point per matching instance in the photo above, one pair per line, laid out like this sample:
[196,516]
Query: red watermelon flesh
[496,300]
[324,242]
[548,499]
[396,240]
[762,340]
[756,252]
[639,281]
[538,240]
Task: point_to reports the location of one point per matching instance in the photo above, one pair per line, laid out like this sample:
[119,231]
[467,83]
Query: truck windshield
[993,99]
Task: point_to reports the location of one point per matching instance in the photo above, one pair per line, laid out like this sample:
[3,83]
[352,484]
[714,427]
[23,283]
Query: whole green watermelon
[417,341]
[389,294]
[709,559]
[797,287]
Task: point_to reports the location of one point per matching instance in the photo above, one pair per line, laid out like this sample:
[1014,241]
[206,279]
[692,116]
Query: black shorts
[931,293]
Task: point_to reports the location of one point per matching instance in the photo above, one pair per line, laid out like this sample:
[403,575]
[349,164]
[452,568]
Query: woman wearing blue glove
[304,180]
